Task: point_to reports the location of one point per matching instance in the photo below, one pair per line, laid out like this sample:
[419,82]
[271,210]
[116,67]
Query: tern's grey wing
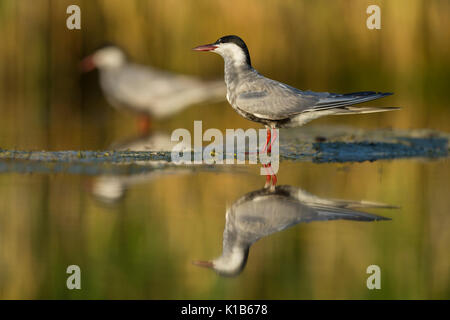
[249,221]
[157,92]
[136,80]
[329,212]
[336,100]
[263,213]
[270,99]
[332,209]
[313,200]
[133,85]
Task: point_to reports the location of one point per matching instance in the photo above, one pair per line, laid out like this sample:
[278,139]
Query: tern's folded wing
[273,100]
[269,99]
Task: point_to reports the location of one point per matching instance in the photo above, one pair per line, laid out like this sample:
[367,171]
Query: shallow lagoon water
[135,229]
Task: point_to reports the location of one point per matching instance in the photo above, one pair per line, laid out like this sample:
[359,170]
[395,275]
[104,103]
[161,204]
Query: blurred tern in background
[275,104]
[146,90]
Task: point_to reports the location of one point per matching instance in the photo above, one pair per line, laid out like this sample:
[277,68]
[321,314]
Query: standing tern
[275,104]
[147,90]
[263,212]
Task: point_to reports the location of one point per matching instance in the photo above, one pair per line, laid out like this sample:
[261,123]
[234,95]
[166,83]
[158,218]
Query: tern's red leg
[143,124]
[272,141]
[267,141]
[274,179]
[272,175]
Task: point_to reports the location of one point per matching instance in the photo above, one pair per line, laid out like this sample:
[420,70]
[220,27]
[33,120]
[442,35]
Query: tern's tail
[347,210]
[333,209]
[335,100]
[333,103]
[360,110]
[339,104]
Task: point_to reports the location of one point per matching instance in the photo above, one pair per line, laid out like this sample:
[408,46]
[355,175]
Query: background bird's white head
[231,48]
[108,56]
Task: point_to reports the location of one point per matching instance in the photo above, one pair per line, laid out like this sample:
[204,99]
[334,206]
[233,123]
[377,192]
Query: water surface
[138,238]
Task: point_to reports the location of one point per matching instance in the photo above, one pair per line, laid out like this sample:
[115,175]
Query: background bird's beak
[87,64]
[204,264]
[206,47]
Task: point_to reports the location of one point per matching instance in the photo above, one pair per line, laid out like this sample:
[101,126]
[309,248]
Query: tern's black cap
[237,41]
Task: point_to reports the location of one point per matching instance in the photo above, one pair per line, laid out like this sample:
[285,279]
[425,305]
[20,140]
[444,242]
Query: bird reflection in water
[109,189]
[272,209]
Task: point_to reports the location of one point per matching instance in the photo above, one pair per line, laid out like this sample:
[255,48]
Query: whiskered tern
[275,104]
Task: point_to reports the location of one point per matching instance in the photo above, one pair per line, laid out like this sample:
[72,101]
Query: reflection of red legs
[270,140]
[274,180]
[143,124]
[270,176]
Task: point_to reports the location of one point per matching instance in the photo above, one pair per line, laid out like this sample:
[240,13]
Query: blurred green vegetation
[142,248]
[316,45]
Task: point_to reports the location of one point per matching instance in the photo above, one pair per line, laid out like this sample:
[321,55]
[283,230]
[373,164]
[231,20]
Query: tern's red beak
[204,264]
[87,64]
[206,47]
